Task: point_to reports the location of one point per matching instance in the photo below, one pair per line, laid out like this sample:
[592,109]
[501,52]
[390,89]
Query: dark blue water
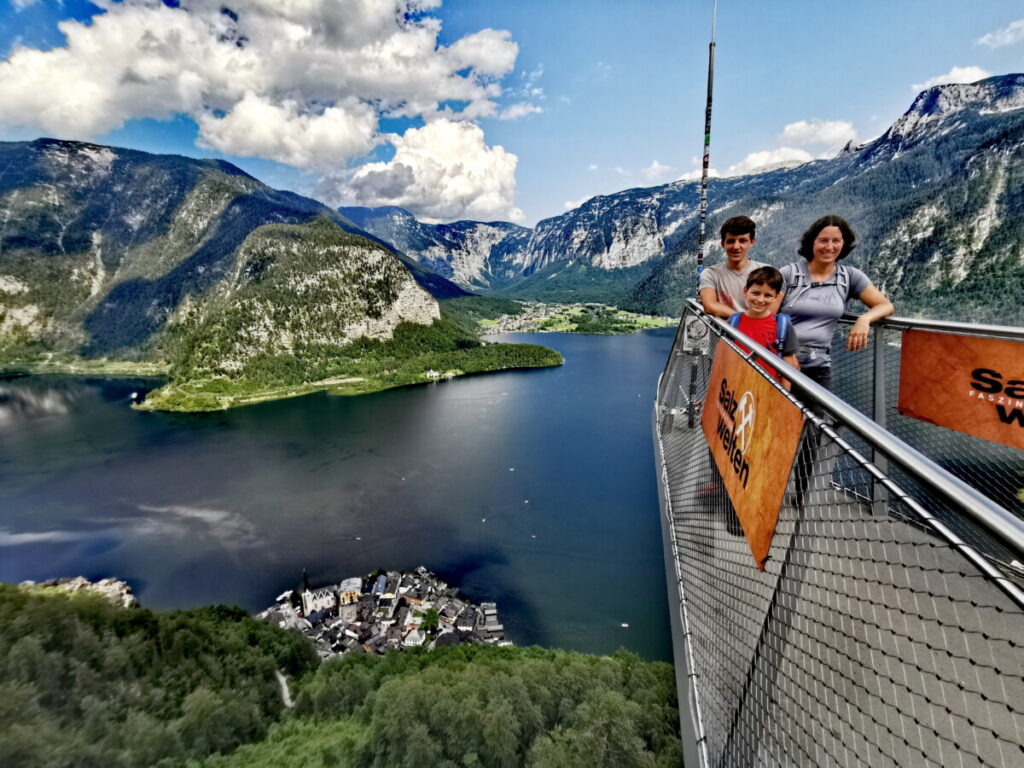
[535,489]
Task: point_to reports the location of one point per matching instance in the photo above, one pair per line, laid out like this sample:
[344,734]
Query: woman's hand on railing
[858,336]
[878,307]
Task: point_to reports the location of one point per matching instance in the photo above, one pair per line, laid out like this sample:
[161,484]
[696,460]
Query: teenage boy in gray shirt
[721,286]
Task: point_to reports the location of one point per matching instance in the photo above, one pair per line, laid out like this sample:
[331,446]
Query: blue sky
[488,109]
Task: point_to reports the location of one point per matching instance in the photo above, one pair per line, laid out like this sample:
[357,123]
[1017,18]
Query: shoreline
[341,387]
[334,387]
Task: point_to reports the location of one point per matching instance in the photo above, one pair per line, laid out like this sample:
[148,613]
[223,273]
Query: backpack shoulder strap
[783,324]
[843,282]
[794,282]
[734,319]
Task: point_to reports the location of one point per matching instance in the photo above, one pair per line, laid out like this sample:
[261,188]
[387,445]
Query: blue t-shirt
[817,307]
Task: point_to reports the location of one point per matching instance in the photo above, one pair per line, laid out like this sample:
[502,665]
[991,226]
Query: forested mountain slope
[85,683]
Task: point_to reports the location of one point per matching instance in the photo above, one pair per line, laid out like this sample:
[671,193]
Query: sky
[484,109]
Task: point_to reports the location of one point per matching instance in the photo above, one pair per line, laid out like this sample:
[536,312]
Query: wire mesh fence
[885,628]
[995,470]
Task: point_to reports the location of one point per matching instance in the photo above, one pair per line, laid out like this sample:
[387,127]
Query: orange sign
[972,385]
[753,432]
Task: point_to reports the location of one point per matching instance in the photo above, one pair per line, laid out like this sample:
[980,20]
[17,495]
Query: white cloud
[1008,35]
[829,134]
[515,111]
[257,126]
[488,52]
[22,4]
[621,171]
[769,159]
[571,204]
[592,167]
[955,75]
[658,173]
[695,175]
[441,171]
[529,87]
[303,82]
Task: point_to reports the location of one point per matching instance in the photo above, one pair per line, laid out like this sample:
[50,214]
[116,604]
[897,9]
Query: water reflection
[19,404]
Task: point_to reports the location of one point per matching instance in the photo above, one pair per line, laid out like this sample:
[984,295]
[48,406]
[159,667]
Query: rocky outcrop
[294,288]
[113,590]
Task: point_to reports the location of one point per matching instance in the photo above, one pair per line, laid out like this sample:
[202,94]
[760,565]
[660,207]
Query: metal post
[879,494]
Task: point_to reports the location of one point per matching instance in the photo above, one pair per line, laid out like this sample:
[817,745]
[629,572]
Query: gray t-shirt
[817,307]
[727,284]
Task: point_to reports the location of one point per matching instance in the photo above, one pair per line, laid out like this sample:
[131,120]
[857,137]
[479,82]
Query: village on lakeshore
[579,317]
[385,611]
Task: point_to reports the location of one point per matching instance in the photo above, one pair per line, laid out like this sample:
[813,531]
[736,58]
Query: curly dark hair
[806,248]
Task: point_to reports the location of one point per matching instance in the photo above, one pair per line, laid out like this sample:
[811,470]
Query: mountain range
[937,202]
[114,254]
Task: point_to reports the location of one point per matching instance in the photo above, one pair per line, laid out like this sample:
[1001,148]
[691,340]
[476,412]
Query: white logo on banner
[745,421]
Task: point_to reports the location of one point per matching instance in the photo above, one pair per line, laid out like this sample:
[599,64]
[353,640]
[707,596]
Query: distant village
[385,611]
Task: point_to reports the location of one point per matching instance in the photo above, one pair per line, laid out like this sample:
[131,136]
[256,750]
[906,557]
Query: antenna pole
[691,408]
[703,215]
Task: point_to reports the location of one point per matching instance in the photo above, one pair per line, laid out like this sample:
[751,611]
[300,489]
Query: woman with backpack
[815,295]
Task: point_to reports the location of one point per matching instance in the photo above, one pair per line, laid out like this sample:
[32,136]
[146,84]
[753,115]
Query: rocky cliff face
[293,288]
[475,255]
[114,253]
[604,234]
[937,202]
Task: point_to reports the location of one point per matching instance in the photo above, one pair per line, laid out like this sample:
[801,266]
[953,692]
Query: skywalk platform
[885,629]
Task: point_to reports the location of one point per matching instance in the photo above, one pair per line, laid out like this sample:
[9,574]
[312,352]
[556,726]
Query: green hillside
[83,683]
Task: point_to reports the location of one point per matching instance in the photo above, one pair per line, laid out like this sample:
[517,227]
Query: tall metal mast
[702,217]
[707,147]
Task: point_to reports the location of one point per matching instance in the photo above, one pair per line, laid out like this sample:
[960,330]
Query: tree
[431,621]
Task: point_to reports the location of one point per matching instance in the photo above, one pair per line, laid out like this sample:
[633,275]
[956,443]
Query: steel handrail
[943,326]
[1005,526]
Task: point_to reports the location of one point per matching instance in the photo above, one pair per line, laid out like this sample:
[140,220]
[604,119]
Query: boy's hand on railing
[858,337]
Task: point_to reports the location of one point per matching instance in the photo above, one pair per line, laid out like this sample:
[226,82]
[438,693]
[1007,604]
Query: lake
[534,489]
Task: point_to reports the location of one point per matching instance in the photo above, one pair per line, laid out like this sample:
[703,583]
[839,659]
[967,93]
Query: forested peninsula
[84,682]
[415,354]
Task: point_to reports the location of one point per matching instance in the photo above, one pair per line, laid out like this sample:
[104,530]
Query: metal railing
[888,624]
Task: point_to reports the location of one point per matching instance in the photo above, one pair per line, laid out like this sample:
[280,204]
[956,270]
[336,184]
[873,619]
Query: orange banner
[753,432]
[972,385]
